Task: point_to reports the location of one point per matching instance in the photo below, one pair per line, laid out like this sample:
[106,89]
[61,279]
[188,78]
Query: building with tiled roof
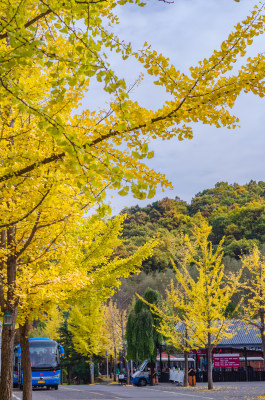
[244,336]
[246,342]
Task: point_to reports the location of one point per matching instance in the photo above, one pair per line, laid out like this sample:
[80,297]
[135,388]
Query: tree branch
[5,35]
[31,236]
[56,157]
[29,213]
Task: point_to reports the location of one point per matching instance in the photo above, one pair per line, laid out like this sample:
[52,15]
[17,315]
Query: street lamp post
[107,354]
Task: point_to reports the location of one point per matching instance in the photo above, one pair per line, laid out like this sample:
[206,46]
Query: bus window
[16,360]
[44,355]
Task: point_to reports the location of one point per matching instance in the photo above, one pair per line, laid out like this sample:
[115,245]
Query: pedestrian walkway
[221,391]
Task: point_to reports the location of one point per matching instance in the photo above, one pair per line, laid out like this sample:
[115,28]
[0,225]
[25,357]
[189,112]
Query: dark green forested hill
[234,211]
[226,196]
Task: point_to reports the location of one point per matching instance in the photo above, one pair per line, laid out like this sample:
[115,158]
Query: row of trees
[86,332]
[197,311]
[200,306]
[83,272]
[57,161]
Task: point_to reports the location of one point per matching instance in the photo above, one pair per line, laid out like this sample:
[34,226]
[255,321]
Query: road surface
[224,391]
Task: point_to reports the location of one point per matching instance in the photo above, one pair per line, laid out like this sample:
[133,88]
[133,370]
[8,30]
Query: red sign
[226,360]
[201,351]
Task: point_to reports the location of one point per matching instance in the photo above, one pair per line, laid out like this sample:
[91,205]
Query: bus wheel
[56,387]
[142,382]
[48,387]
[20,386]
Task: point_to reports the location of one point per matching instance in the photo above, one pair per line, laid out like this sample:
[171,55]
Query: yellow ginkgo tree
[57,160]
[195,312]
[64,45]
[80,272]
[114,331]
[254,306]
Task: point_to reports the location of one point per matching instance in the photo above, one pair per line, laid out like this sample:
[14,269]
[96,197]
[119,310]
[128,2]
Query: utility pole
[246,362]
[107,354]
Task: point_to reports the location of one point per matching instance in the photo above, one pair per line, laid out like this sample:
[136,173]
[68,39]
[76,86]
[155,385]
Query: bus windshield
[44,354]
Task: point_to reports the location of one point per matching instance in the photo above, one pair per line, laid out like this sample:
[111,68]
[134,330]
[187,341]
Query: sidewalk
[223,390]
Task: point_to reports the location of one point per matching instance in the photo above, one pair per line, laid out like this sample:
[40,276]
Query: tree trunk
[186,368]
[186,356]
[115,363]
[92,374]
[160,359]
[209,365]
[124,350]
[6,383]
[115,350]
[263,347]
[262,334]
[26,364]
[127,372]
[111,367]
[69,375]
[8,304]
[152,374]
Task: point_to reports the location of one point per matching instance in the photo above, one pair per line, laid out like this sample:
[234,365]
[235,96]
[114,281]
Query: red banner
[201,351]
[226,360]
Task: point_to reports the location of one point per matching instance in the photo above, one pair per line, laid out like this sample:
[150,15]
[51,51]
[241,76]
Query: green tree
[74,363]
[142,336]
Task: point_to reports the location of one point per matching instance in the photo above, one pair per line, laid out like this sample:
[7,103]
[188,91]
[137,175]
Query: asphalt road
[225,391]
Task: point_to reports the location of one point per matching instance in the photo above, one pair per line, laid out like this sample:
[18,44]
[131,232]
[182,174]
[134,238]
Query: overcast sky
[188,31]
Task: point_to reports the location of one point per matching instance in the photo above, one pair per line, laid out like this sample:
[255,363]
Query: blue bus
[45,357]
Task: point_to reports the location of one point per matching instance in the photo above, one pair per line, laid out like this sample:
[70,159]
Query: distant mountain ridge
[234,211]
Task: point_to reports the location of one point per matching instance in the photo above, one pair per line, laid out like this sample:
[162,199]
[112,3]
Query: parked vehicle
[45,356]
[141,376]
